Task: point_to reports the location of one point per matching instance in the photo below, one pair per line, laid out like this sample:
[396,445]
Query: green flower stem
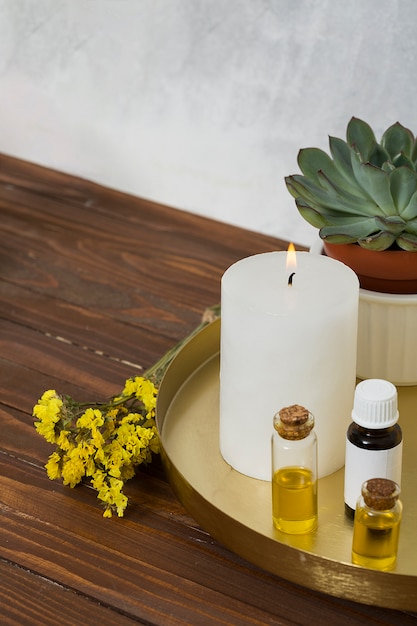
[156,372]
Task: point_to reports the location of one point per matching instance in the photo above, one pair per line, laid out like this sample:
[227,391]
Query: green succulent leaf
[403,183]
[410,211]
[402,160]
[311,216]
[411,227]
[397,139]
[290,187]
[378,241]
[313,160]
[340,152]
[355,204]
[379,156]
[351,228]
[310,160]
[361,136]
[394,225]
[376,183]
[322,219]
[388,166]
[327,200]
[314,195]
[407,242]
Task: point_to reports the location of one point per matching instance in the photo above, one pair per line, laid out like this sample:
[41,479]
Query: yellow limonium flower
[48,412]
[144,390]
[53,466]
[91,418]
[103,443]
[63,440]
[100,442]
[111,494]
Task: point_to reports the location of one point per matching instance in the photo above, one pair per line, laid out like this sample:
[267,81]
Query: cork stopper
[380,494]
[293,422]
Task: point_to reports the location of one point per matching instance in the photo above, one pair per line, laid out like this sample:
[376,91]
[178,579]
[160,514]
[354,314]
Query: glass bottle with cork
[373,440]
[376,527]
[294,471]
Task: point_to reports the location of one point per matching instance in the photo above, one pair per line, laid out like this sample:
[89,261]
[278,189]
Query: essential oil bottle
[294,471]
[376,529]
[374,439]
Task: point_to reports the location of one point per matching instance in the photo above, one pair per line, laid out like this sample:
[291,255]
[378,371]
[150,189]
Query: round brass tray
[236,510]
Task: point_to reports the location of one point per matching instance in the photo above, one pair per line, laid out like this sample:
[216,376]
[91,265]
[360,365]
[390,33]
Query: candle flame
[291,264]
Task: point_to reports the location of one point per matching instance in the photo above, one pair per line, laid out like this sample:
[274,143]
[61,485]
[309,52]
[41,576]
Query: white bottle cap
[375,404]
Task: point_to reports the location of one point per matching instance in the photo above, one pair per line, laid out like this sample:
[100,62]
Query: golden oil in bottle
[294,471]
[376,529]
[294,500]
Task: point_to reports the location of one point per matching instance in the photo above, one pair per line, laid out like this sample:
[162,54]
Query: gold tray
[236,510]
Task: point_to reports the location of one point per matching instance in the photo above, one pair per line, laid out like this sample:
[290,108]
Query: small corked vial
[376,529]
[294,471]
[373,439]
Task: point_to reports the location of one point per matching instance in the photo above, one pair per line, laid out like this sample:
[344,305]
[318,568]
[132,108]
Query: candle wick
[290,277]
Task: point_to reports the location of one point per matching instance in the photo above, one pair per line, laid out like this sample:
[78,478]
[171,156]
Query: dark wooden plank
[46,190]
[57,358]
[86,329]
[138,241]
[106,277]
[27,599]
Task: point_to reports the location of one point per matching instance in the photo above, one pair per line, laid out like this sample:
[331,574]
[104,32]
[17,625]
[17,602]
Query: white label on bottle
[361,465]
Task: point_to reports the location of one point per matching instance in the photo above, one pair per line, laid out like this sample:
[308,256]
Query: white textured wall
[201,104]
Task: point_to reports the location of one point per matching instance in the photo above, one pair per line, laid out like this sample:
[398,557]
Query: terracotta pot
[387,271]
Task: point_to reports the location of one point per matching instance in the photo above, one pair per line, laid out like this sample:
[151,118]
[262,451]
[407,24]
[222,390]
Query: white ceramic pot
[387,335]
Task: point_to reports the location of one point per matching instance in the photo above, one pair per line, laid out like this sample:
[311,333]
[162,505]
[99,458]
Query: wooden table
[96,285]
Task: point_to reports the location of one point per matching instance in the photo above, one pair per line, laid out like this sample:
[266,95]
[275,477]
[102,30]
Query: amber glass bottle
[294,471]
[374,439]
[376,529]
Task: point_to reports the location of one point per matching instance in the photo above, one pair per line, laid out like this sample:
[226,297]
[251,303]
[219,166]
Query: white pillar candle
[284,344]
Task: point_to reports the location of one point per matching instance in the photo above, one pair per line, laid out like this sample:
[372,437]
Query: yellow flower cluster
[103,443]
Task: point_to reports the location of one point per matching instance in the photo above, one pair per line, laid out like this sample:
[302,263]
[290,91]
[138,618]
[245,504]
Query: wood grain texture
[94,286]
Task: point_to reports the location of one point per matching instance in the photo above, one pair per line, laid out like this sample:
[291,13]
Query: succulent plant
[366,192]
